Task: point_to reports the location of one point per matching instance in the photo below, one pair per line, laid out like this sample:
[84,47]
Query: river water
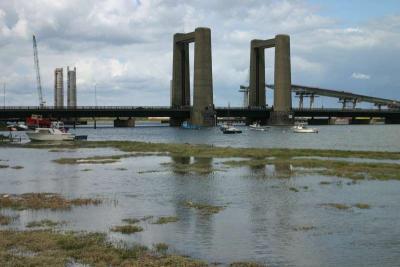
[263,219]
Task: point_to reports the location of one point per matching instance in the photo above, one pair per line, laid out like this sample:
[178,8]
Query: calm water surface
[263,218]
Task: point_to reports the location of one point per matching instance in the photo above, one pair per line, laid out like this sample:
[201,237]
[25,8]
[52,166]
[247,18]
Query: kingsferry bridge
[183,113]
[200,110]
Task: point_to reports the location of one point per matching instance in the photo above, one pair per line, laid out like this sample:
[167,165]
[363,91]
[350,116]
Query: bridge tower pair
[202,112]
[281,114]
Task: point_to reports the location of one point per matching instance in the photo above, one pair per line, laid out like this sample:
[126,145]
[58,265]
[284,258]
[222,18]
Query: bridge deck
[184,113]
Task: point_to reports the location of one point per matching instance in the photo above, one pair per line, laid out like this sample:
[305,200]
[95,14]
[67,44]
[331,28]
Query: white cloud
[360,76]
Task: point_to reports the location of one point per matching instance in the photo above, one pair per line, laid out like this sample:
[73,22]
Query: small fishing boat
[257,127]
[231,130]
[301,128]
[50,134]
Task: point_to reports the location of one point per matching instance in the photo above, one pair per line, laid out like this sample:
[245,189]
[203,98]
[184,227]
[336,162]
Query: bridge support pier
[202,112]
[281,114]
[119,123]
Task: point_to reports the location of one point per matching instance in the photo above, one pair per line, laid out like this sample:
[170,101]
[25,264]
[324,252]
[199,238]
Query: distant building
[58,88]
[71,88]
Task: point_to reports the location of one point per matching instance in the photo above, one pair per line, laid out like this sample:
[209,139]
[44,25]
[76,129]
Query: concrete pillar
[58,88]
[180,73]
[130,122]
[202,113]
[283,83]
[257,75]
[71,88]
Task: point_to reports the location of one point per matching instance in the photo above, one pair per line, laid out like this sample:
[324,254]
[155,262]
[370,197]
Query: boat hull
[305,131]
[48,137]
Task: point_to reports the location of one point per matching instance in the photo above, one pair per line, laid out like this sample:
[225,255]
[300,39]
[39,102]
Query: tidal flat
[220,206]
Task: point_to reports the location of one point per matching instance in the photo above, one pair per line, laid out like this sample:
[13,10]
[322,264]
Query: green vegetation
[121,169]
[5,220]
[345,169]
[219,152]
[203,208]
[304,228]
[362,206]
[131,220]
[43,201]
[296,159]
[89,160]
[127,229]
[86,170]
[43,223]
[294,189]
[18,167]
[161,248]
[336,206]
[4,166]
[246,264]
[49,248]
[167,219]
[325,183]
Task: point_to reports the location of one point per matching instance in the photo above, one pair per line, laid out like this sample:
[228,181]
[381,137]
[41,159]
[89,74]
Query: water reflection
[277,170]
[198,165]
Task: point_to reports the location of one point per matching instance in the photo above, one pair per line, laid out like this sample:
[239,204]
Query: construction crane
[39,83]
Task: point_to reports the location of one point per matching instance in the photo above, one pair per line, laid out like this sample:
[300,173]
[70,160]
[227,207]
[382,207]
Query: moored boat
[49,134]
[231,130]
[301,128]
[257,127]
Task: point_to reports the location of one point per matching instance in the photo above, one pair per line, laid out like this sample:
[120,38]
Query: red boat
[36,121]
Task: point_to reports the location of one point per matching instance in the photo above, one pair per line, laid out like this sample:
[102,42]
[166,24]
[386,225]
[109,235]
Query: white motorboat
[301,128]
[231,130]
[50,134]
[257,127]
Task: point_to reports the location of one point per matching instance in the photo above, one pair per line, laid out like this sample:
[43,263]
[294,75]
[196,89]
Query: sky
[124,47]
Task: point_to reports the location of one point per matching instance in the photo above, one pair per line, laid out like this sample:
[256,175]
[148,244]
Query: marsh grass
[161,248]
[362,206]
[304,228]
[49,248]
[338,206]
[2,166]
[246,264]
[131,220]
[43,223]
[294,189]
[167,219]
[127,229]
[213,151]
[203,208]
[43,201]
[257,157]
[343,169]
[18,167]
[5,219]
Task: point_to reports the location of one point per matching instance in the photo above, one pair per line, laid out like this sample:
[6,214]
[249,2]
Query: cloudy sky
[125,46]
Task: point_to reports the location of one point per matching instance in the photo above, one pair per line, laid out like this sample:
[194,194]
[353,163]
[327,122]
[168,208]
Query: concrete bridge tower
[281,114]
[202,112]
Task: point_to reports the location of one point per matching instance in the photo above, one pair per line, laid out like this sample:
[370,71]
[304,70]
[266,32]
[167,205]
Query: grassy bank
[48,248]
[213,151]
[328,162]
